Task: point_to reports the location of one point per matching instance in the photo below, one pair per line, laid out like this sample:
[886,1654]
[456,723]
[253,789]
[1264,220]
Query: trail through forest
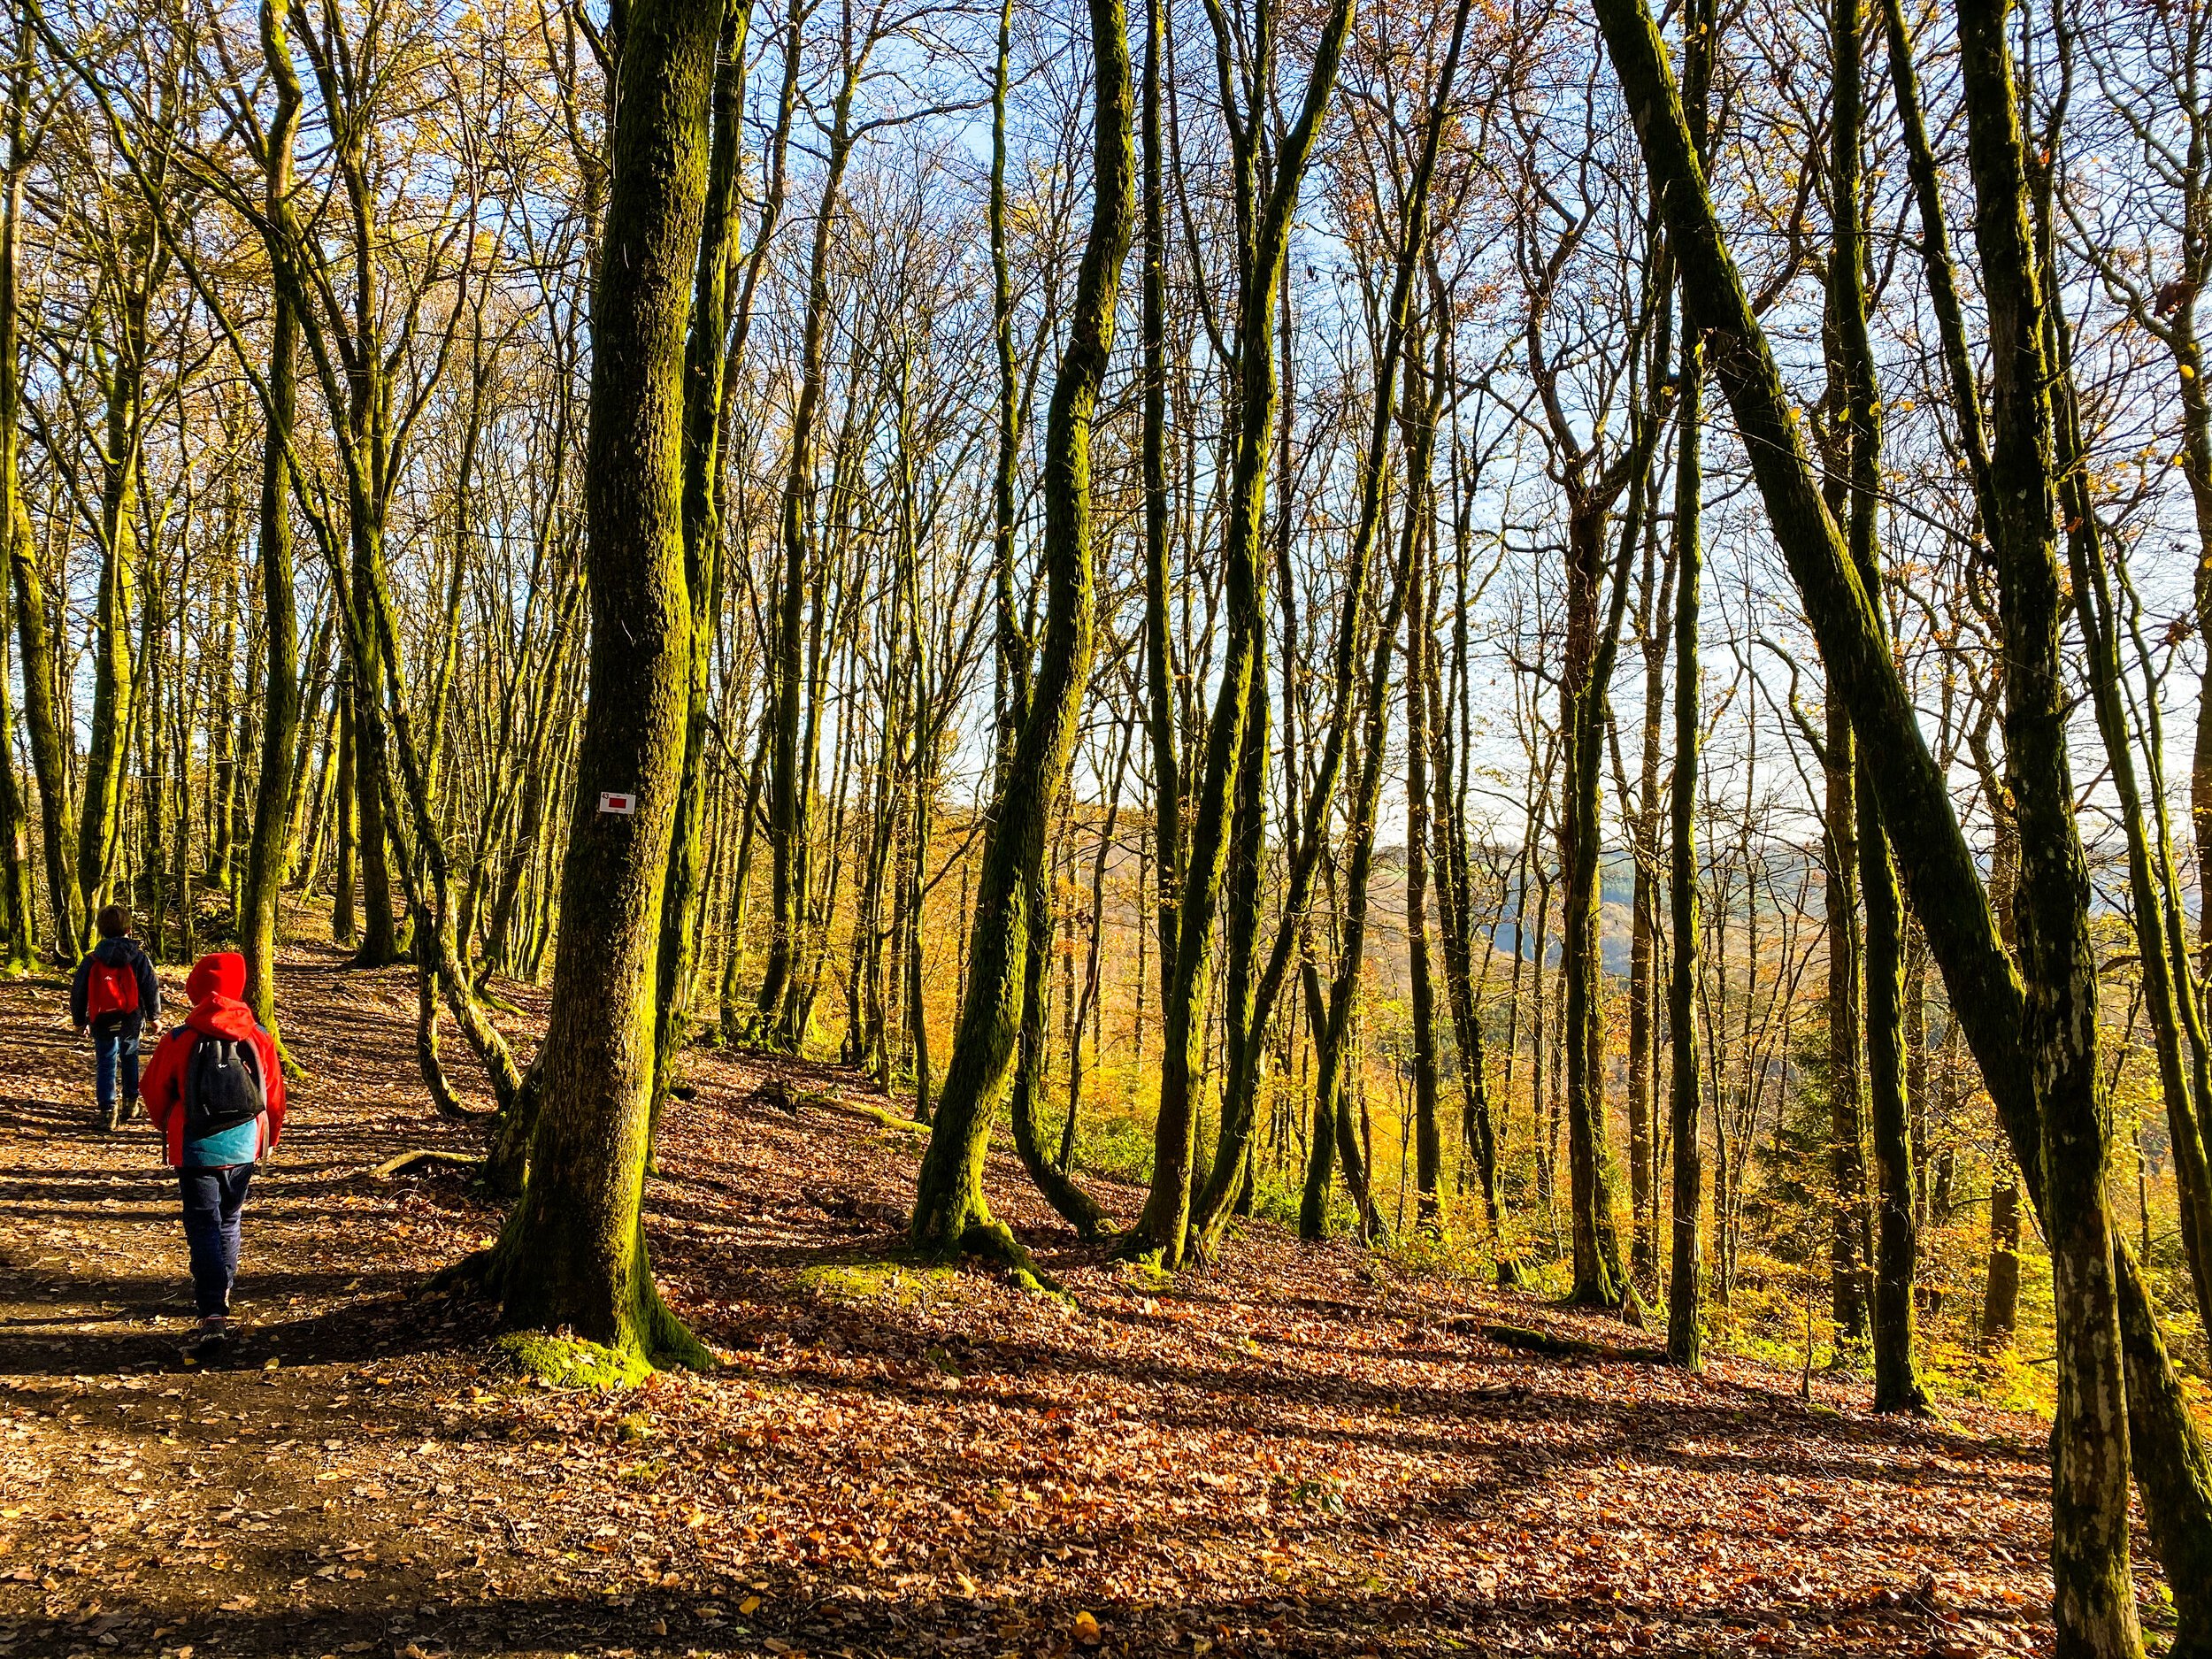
[1300,1451]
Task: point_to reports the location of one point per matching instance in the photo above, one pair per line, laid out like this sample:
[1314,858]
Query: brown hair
[114,922]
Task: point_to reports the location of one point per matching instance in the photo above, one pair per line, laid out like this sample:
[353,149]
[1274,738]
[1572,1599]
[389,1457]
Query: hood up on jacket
[217,983]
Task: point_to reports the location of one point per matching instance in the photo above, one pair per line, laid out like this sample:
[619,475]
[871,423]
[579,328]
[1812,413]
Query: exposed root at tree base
[994,1240]
[422,1156]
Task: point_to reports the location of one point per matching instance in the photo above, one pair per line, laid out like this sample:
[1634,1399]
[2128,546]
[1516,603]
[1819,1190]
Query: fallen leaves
[1298,1452]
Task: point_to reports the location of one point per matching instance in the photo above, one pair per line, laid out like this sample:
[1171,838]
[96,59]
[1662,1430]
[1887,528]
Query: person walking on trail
[113,995]
[215,1092]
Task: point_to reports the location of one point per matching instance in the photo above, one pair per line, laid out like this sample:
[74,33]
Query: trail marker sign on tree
[618,801]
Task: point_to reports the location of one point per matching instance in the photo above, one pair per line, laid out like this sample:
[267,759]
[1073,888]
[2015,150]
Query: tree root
[1532,1341]
[406,1161]
[666,1341]
[995,1241]
[477,1271]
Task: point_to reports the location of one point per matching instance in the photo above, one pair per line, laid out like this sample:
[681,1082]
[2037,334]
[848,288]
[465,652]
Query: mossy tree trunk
[1686,1256]
[1333,1016]
[950,1212]
[16,904]
[1882,947]
[574,1253]
[782,999]
[1939,868]
[1258,997]
[2095,1589]
[1264,216]
[280,704]
[1427,1140]
[2171,988]
[706,364]
[49,762]
[1593,639]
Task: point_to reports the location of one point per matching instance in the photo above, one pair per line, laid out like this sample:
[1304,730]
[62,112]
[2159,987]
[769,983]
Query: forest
[1528,679]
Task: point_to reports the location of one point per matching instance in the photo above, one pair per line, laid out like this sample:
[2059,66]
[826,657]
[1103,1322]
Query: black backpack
[222,1086]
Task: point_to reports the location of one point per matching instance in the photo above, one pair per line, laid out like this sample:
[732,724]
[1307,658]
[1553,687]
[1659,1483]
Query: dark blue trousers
[212,1201]
[116,1057]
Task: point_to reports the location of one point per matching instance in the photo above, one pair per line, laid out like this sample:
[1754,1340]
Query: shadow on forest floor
[1298,1451]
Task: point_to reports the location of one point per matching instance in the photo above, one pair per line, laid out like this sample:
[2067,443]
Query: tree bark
[1945,886]
[280,693]
[706,361]
[950,1212]
[573,1253]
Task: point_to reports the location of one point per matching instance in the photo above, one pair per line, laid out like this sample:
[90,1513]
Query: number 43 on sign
[618,801]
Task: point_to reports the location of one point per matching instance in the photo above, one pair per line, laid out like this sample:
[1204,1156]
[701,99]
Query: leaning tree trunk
[1940,875]
[573,1253]
[951,1213]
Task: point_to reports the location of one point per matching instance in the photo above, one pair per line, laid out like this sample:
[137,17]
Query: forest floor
[1300,1451]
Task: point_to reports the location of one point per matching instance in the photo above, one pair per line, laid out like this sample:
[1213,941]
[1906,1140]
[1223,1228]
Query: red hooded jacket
[214,989]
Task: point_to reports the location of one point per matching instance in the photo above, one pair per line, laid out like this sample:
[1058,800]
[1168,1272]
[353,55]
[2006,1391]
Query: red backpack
[110,990]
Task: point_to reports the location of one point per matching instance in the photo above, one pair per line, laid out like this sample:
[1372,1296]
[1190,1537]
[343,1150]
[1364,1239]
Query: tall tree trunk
[1159,652]
[1896,1381]
[706,361]
[951,1213]
[1332,1019]
[49,762]
[1846,1083]
[790,780]
[15,876]
[1427,1142]
[1686,1271]
[281,695]
[2095,1596]
[1599,1276]
[573,1253]
[1255,1001]
[1263,222]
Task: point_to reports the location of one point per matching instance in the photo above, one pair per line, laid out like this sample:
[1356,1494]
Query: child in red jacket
[215,1093]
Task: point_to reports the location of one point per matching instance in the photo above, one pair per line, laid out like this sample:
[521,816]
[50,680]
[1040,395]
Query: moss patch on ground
[906,1284]
[569,1362]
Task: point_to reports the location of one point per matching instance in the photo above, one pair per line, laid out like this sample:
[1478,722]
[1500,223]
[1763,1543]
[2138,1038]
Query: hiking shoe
[209,1342]
[111,1116]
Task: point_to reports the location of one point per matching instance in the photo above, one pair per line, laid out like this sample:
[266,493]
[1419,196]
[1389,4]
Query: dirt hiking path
[1300,1452]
